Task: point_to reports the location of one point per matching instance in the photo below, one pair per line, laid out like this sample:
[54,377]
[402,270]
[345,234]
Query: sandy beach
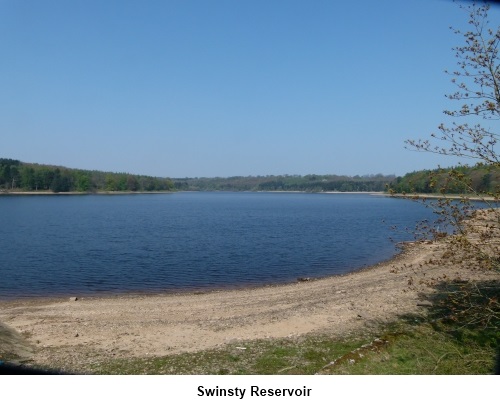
[69,333]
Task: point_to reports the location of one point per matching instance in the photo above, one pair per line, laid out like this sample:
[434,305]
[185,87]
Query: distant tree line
[16,175]
[308,183]
[483,179]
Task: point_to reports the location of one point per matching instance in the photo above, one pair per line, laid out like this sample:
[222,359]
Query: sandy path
[62,331]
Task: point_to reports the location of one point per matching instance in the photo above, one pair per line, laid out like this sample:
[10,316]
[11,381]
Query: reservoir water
[106,244]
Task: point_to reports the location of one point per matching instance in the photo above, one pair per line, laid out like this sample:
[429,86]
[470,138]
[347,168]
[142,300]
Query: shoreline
[68,334]
[183,191]
[441,196]
[50,193]
[408,196]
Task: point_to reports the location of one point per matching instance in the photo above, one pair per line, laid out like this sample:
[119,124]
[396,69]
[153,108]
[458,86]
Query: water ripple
[113,244]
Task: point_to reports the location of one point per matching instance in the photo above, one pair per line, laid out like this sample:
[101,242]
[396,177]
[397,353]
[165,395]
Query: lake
[105,244]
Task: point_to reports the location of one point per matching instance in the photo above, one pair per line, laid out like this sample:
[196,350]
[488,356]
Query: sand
[66,333]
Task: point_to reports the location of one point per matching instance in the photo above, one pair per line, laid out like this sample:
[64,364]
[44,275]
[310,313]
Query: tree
[27,175]
[472,136]
[82,181]
[132,183]
[110,183]
[45,176]
[14,175]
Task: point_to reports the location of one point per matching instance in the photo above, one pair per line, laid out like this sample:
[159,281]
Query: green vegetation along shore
[16,176]
[484,179]
[19,176]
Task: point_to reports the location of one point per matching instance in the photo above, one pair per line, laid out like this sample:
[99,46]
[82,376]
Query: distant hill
[16,175]
[20,176]
[308,183]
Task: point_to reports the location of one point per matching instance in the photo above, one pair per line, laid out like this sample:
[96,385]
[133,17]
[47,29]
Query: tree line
[16,175]
[482,179]
[308,183]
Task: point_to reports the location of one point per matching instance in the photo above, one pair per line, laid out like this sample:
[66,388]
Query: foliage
[480,179]
[16,175]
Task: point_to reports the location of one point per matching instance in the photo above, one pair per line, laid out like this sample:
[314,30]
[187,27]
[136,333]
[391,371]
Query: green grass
[285,356]
[404,348]
[420,349]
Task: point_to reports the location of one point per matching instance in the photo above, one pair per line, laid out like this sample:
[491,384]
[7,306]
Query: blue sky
[220,88]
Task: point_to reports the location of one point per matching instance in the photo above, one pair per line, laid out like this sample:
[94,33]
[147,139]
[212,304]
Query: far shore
[379,193]
[81,192]
[48,192]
